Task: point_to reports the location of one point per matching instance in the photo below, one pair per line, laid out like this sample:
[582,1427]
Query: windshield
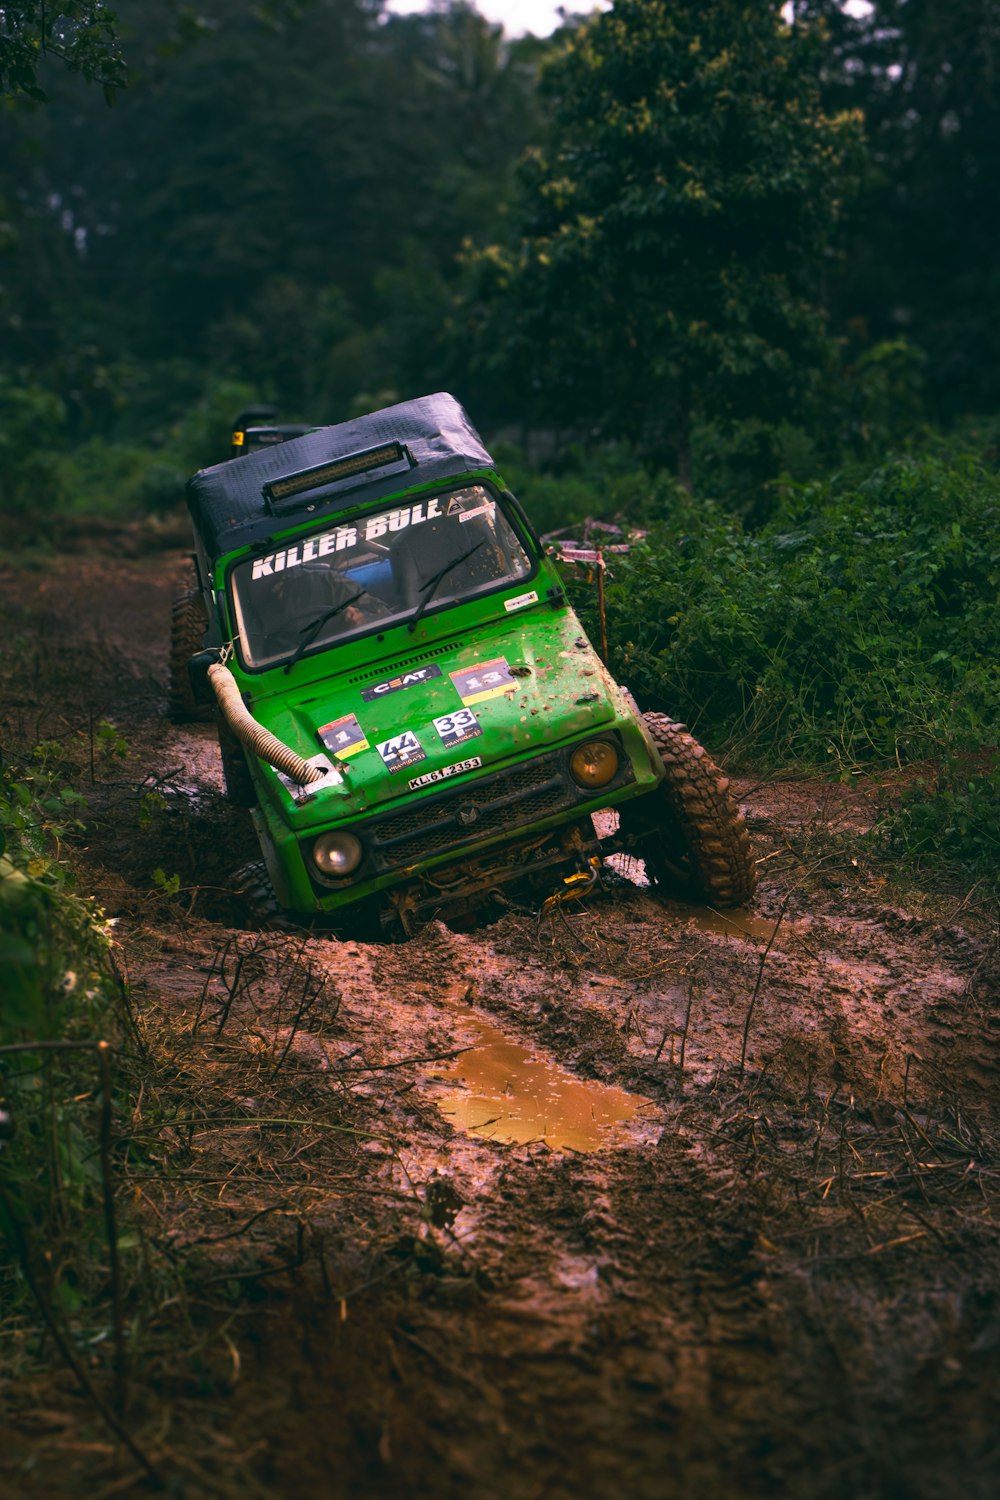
[374,571]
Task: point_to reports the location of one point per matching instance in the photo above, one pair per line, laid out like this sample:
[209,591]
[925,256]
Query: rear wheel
[188,624]
[689,831]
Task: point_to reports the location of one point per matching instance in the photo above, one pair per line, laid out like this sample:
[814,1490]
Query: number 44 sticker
[401,751]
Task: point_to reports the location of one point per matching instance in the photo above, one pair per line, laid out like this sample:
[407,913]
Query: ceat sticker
[300,793]
[521,602]
[396,684]
[476,684]
[401,751]
[460,766]
[454,729]
[343,737]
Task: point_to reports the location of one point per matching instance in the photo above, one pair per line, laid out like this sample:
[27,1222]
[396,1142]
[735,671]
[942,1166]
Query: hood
[451,709]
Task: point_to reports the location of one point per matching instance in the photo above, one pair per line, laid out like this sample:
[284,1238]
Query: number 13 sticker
[454,729]
[401,751]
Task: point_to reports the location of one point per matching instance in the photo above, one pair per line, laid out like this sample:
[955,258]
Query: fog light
[337,854]
[594,764]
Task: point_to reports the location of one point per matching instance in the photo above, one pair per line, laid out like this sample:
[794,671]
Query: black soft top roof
[230,509]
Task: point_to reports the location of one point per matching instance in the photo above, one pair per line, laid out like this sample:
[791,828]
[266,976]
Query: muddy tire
[240,790]
[690,832]
[255,893]
[188,624]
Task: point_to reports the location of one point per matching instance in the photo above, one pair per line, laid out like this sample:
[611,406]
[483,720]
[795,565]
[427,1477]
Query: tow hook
[576,887]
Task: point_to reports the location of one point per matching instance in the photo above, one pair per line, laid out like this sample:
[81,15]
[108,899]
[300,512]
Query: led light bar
[279,492]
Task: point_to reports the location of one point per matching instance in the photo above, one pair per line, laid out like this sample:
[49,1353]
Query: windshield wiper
[429,585]
[311,631]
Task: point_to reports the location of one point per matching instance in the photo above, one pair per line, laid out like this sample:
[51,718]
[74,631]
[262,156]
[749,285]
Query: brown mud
[776,1273]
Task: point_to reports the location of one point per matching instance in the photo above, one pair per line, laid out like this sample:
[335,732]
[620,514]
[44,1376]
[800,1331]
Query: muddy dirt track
[778,1276]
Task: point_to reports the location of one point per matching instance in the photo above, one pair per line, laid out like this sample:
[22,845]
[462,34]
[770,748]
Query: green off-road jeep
[405,700]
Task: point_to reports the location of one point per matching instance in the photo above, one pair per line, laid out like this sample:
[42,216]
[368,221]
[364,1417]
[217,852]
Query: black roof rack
[425,440]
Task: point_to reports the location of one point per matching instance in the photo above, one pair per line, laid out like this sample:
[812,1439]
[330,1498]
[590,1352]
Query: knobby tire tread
[252,885]
[188,624]
[714,862]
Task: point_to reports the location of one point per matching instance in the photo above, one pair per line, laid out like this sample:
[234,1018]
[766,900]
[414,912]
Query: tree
[671,248]
[280,197]
[923,257]
[80,34]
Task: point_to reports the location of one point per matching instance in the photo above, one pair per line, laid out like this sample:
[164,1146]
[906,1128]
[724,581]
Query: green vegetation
[77,34]
[665,267]
[858,627]
[859,622]
[58,1011]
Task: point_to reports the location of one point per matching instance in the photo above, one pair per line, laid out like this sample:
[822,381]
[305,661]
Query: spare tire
[690,832]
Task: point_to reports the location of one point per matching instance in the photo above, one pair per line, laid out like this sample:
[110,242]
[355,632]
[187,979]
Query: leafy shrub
[33,421]
[44,473]
[57,987]
[602,483]
[859,623]
[859,627]
[952,814]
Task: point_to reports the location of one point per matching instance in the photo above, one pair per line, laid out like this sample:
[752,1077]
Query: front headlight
[594,764]
[337,854]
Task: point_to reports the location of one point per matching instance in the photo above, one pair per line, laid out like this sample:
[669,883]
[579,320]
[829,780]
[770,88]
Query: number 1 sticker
[343,737]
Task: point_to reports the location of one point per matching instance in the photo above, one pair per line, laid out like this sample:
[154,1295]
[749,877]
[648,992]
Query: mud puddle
[738,923]
[510,1094]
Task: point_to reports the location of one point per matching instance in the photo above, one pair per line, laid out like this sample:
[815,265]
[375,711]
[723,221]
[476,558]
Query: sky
[541,16]
[517,16]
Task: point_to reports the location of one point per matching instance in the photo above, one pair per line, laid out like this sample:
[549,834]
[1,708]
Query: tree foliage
[278,201]
[669,249]
[82,35]
[923,244]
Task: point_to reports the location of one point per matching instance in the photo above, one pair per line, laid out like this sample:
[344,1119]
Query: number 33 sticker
[454,729]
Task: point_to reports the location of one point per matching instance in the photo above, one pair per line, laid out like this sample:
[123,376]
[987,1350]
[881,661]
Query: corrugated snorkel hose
[256,738]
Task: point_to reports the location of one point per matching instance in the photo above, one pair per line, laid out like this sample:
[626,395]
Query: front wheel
[689,831]
[262,910]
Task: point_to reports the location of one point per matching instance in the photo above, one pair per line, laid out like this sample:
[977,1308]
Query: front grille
[500,803]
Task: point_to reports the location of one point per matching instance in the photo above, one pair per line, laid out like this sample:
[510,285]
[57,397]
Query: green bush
[858,628]
[860,623]
[602,483]
[951,814]
[43,473]
[57,991]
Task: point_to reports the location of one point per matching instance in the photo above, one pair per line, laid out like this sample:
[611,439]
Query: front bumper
[468,814]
